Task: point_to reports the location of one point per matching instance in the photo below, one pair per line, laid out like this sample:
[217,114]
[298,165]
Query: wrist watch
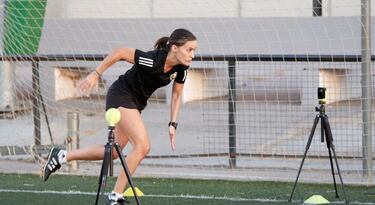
[173,124]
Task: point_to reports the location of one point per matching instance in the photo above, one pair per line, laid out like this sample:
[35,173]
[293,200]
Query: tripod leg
[127,172]
[104,170]
[331,146]
[316,120]
[329,140]
[322,125]
[339,172]
[333,171]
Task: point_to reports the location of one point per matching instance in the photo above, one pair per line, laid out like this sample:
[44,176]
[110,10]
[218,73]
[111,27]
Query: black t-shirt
[147,75]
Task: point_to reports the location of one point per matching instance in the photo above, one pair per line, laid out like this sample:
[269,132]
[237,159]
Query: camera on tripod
[326,133]
[322,100]
[322,95]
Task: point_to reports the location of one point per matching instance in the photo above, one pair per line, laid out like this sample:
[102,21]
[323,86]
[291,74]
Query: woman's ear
[174,48]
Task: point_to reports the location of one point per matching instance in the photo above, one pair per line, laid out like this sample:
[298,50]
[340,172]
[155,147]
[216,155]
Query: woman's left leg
[131,126]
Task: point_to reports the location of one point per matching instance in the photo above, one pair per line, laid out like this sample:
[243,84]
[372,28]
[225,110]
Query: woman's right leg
[96,152]
[130,128]
[93,152]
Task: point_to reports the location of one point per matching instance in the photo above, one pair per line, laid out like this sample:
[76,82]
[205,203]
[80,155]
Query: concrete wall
[196,8]
[7,74]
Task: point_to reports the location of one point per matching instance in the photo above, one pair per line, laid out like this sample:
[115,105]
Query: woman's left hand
[172,133]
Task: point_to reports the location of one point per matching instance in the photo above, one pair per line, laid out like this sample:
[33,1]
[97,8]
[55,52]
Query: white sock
[62,156]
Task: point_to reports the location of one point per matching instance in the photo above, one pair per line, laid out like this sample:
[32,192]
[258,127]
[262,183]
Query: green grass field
[60,189]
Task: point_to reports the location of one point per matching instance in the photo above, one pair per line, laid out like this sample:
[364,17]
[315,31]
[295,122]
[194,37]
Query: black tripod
[108,162]
[325,131]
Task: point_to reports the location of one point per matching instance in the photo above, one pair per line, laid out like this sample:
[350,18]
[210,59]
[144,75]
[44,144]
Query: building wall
[196,8]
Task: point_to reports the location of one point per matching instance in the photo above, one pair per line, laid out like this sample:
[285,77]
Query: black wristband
[173,124]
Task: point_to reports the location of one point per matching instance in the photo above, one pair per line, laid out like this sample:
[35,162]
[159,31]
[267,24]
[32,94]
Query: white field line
[183,196]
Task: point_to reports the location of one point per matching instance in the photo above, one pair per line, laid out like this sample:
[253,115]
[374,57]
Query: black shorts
[120,96]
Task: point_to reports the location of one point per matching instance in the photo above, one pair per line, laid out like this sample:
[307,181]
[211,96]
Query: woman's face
[186,52]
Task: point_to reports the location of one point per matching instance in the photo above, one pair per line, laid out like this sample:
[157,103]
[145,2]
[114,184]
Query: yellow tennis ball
[112,116]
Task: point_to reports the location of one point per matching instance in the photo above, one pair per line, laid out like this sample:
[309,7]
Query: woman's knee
[142,149]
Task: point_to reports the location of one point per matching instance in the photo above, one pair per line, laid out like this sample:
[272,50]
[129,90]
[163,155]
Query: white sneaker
[116,199]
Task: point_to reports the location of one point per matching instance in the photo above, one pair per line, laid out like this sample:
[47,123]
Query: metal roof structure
[216,36]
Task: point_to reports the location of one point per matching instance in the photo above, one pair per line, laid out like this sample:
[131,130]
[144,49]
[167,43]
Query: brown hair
[178,37]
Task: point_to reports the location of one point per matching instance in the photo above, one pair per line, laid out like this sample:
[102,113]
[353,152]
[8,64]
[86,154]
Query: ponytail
[161,43]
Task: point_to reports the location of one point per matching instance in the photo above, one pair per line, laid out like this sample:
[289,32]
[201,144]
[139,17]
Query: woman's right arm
[126,54]
[118,54]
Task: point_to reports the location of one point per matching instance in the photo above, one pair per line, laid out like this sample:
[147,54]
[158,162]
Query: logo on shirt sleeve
[173,76]
[146,61]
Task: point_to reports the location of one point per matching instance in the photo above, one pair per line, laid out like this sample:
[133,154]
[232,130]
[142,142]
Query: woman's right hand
[88,83]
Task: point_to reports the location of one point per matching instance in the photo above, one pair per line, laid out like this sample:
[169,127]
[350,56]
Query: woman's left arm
[175,107]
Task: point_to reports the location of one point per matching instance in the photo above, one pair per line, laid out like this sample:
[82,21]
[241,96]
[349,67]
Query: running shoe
[116,199]
[52,163]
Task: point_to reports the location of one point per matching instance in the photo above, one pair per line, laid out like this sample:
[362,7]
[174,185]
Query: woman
[169,61]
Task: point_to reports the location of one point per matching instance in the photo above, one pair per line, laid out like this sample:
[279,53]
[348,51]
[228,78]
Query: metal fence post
[232,113]
[73,137]
[366,84]
[36,102]
[317,8]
